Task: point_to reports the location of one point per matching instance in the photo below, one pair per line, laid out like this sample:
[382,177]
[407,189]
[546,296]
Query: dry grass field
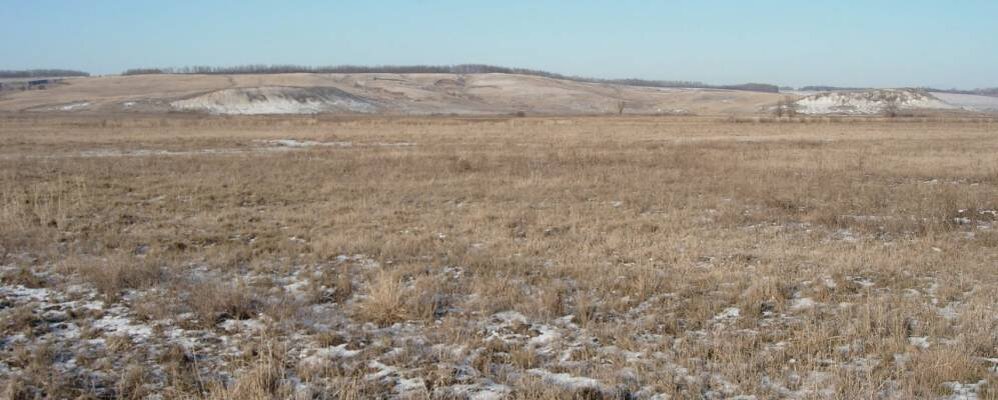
[185,257]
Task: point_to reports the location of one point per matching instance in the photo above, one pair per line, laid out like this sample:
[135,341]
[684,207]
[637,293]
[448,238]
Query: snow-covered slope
[277,100]
[869,101]
[969,102]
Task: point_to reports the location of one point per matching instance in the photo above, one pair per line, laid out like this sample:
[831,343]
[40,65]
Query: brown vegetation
[533,257]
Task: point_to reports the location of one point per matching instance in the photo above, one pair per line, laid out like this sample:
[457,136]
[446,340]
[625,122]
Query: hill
[865,102]
[438,69]
[381,93]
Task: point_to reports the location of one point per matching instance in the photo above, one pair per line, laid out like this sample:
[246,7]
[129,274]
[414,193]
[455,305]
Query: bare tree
[891,107]
[791,106]
[786,106]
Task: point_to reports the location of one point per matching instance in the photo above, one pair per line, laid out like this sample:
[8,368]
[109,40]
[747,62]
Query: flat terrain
[485,258]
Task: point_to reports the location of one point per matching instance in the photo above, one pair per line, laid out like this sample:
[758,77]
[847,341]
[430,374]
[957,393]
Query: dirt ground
[180,256]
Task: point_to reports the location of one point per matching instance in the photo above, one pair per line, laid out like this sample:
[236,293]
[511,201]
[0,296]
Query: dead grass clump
[119,343]
[429,298]
[156,304]
[180,371]
[342,286]
[17,389]
[497,293]
[262,380]
[22,275]
[331,284]
[762,297]
[462,164]
[119,272]
[584,308]
[131,384]
[19,319]
[384,303]
[930,369]
[214,301]
[552,301]
[38,379]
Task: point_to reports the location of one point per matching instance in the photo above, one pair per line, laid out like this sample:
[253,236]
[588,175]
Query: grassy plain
[581,257]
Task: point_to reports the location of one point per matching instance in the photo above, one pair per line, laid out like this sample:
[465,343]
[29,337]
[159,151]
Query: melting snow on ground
[75,106]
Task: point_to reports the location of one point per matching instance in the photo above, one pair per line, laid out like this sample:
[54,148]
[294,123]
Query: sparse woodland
[39,73]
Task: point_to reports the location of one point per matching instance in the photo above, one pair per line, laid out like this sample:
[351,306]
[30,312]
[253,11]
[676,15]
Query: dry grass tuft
[215,301]
[262,380]
[384,303]
[116,273]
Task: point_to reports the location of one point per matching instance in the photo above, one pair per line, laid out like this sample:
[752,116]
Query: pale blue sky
[944,43]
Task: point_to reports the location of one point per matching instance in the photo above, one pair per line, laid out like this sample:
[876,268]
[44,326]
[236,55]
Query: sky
[879,43]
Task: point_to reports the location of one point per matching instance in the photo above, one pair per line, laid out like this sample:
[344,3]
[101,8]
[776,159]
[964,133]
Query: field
[174,256]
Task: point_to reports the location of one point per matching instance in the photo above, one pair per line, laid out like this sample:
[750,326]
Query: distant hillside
[40,73]
[978,92]
[993,92]
[375,93]
[867,102]
[439,69]
[830,89]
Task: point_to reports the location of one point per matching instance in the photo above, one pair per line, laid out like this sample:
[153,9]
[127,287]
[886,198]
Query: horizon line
[463,68]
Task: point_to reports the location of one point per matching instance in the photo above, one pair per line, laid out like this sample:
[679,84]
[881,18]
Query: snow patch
[548,335]
[949,312]
[565,380]
[20,293]
[117,323]
[920,342]
[249,325]
[969,102]
[802,303]
[305,143]
[75,106]
[964,391]
[489,391]
[869,102]
[728,314]
[277,100]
